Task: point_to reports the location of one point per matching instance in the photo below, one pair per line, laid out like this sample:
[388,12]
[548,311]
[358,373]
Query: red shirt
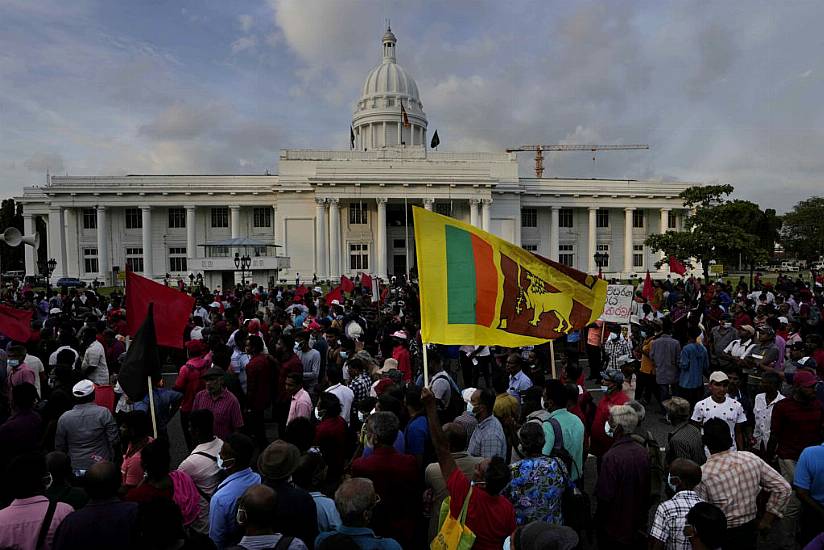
[397,482]
[188,380]
[401,354]
[225,408]
[601,442]
[260,372]
[330,438]
[291,364]
[491,518]
[796,426]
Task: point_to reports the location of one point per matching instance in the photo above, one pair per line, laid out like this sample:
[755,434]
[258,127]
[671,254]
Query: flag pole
[425,366]
[552,359]
[152,406]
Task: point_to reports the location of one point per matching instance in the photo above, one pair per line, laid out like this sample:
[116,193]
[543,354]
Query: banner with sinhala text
[479,289]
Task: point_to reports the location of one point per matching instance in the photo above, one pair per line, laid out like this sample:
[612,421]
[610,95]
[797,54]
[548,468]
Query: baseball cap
[84,388]
[783,320]
[804,379]
[213,372]
[55,311]
[718,377]
[613,376]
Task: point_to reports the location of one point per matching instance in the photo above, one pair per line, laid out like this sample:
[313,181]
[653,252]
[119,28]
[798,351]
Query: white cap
[719,376]
[214,304]
[467,394]
[318,290]
[84,388]
[55,311]
[783,320]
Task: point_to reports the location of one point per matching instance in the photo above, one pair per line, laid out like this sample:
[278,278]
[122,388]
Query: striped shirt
[225,408]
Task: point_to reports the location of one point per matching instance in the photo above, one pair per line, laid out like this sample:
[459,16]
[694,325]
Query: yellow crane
[539,151]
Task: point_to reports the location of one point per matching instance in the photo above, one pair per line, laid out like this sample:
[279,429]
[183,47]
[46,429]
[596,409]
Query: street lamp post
[242,263]
[48,268]
[601,260]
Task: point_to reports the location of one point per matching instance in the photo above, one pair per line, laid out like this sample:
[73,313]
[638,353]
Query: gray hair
[639,408]
[353,498]
[625,417]
[385,426]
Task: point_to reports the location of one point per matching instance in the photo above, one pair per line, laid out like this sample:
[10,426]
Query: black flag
[435,141]
[351,138]
[142,360]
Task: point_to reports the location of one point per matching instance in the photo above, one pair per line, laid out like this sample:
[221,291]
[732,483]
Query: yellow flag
[478,289]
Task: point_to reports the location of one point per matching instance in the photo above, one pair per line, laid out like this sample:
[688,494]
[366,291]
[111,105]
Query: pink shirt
[21,375]
[20,522]
[131,470]
[301,406]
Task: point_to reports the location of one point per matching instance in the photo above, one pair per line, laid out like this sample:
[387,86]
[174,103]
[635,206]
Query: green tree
[803,229]
[719,229]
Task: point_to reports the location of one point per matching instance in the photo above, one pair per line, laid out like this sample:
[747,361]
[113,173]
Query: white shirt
[730,411]
[96,357]
[763,417]
[346,396]
[203,470]
[53,356]
[36,365]
[738,349]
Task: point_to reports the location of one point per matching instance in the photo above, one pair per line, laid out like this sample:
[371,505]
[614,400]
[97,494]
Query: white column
[334,239]
[29,251]
[383,141]
[427,204]
[148,256]
[72,242]
[104,259]
[191,245]
[664,226]
[628,239]
[400,133]
[473,211]
[320,238]
[554,236]
[591,241]
[380,246]
[274,225]
[56,239]
[234,214]
[412,135]
[486,206]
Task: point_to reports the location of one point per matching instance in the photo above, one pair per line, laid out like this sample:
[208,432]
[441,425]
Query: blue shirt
[164,400]
[223,506]
[809,472]
[518,383]
[365,538]
[693,363]
[417,434]
[328,515]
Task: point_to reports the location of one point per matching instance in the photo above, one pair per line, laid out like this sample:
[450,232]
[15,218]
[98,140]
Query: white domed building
[329,213]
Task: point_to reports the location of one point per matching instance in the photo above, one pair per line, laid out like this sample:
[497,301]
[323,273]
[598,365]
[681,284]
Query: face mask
[48,480]
[240,517]
[312,342]
[319,413]
[361,416]
[543,403]
[670,484]
[13,362]
[297,346]
[470,409]
[344,355]
[609,430]
[221,464]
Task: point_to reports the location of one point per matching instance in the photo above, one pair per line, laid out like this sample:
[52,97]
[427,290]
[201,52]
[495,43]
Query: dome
[388,92]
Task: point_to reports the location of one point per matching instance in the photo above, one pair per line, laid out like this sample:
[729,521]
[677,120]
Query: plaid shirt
[732,481]
[670,517]
[488,439]
[360,387]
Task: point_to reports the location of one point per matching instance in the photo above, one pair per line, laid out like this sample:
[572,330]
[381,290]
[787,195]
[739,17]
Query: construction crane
[539,151]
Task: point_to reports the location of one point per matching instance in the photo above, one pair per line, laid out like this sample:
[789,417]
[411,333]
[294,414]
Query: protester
[190,381]
[223,405]
[667,529]
[234,460]
[255,510]
[808,483]
[135,432]
[732,479]
[665,353]
[311,475]
[295,510]
[202,463]
[693,363]
[613,396]
[63,481]
[706,527]
[570,427]
[684,441]
[356,499]
[762,411]
[720,405]
[88,432]
[488,439]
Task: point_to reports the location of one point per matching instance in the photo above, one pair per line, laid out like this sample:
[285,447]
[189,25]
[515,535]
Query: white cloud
[245,21]
[244,43]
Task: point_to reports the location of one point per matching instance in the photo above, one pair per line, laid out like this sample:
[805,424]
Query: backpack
[575,504]
[657,470]
[283,544]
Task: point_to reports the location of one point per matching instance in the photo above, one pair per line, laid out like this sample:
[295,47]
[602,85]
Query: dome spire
[389,42]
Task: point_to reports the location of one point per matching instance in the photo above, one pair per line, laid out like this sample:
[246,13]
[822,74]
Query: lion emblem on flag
[537,298]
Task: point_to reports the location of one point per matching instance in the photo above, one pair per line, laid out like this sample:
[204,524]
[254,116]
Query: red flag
[366,280]
[15,323]
[405,117]
[335,294]
[649,292]
[172,309]
[384,293]
[301,290]
[346,284]
[676,266]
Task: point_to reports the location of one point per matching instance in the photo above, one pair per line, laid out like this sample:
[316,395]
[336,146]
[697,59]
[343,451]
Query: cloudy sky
[723,91]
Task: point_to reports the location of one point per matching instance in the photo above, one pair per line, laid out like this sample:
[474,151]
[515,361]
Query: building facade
[333,213]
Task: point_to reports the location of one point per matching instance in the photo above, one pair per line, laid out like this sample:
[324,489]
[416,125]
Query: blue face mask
[670,484]
[470,409]
[608,430]
[344,355]
[13,362]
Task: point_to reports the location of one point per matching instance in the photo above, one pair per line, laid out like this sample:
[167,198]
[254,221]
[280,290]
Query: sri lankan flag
[479,289]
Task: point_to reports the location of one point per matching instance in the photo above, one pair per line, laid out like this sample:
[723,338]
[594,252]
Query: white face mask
[361,416]
[319,413]
[608,430]
[469,409]
[670,484]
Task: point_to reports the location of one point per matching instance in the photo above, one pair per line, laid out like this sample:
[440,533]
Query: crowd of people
[310,424]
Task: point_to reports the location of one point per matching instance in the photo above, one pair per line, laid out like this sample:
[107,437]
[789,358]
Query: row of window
[261,218]
[529,218]
[566,253]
